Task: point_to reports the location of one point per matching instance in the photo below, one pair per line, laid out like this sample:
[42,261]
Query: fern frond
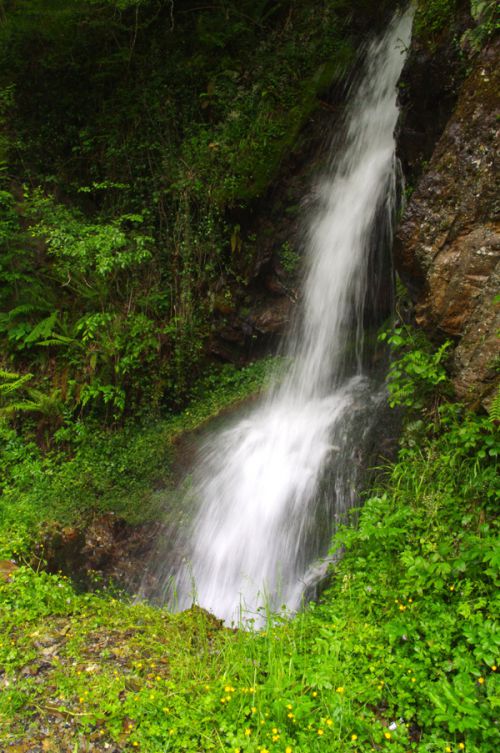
[494,409]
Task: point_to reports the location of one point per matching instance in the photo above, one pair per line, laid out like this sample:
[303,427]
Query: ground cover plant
[400,653]
[91,471]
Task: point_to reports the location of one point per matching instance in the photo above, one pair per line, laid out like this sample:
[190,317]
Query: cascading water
[271,487]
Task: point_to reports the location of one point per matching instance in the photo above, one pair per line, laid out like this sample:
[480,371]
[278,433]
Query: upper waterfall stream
[270,488]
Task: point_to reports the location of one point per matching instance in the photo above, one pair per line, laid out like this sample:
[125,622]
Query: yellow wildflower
[387,735]
[340,690]
[354,737]
[320,732]
[480,680]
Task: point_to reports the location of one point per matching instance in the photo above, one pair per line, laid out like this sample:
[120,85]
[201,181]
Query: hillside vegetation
[140,141]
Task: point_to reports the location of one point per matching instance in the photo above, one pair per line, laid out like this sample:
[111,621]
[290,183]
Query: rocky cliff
[447,247]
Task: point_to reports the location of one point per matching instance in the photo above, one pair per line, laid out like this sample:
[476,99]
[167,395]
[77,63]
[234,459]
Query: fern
[11,382]
[494,409]
[43,329]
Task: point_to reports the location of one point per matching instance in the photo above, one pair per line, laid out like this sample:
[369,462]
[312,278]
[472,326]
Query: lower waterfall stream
[271,488]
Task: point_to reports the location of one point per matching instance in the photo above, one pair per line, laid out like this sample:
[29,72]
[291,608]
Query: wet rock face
[448,244]
[107,550]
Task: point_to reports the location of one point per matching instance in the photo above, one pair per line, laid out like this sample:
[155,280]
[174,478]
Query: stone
[7,567]
[447,247]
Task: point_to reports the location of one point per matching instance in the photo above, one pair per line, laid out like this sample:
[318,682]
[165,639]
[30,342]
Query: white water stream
[271,487]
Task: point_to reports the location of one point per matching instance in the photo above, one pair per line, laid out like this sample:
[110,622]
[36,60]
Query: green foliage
[494,409]
[83,249]
[289,258]
[142,132]
[433,16]
[417,372]
[485,14]
[92,471]
[400,654]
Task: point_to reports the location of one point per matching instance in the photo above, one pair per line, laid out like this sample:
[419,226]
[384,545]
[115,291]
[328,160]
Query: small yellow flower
[314,694]
[480,680]
[387,735]
[413,679]
[461,746]
[452,588]
[329,722]
[81,699]
[320,732]
[410,601]
[254,710]
[275,731]
[289,706]
[290,715]
[288,749]
[135,744]
[447,749]
[494,669]
[275,738]
[248,732]
[354,737]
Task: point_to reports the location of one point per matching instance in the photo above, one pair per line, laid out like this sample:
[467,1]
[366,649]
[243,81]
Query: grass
[399,655]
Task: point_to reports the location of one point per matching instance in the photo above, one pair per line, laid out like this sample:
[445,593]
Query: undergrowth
[399,655]
[92,471]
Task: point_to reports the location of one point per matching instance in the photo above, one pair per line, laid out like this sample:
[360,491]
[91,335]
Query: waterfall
[271,488]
